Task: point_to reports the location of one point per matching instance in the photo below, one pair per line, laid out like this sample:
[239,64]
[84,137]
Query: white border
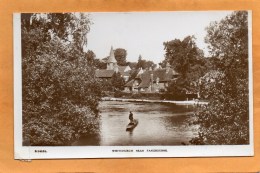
[25,152]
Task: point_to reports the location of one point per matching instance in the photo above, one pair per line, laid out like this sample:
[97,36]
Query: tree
[99,64]
[144,64]
[140,62]
[90,55]
[60,92]
[132,74]
[226,119]
[117,81]
[132,65]
[177,89]
[188,60]
[120,55]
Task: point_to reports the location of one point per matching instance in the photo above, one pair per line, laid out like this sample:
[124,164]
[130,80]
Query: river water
[159,124]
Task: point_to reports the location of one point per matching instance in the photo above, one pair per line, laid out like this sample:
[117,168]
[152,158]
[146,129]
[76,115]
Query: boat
[132,125]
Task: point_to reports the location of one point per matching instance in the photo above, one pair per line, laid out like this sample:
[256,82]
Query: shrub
[59,89]
[136,96]
[118,94]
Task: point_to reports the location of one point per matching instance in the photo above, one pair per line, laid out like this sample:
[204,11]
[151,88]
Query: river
[159,124]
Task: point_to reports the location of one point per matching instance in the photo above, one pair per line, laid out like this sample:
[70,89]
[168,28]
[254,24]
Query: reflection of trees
[177,121]
[88,139]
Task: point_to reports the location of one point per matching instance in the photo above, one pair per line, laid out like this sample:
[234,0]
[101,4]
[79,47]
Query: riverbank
[187,102]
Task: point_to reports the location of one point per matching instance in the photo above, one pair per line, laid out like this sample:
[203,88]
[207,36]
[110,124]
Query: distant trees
[120,55]
[144,64]
[93,61]
[117,81]
[99,64]
[226,119]
[132,65]
[188,60]
[140,64]
[133,73]
[90,55]
[60,92]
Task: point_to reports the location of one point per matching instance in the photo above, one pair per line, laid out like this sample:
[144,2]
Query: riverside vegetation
[61,94]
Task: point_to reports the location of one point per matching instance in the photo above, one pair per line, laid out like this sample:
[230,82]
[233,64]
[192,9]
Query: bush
[60,128]
[59,89]
[225,120]
[118,94]
[176,97]
[136,96]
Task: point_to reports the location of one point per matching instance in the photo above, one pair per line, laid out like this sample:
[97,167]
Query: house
[152,80]
[112,67]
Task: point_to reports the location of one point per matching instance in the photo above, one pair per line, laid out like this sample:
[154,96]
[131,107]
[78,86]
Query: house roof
[163,75]
[130,83]
[126,73]
[121,69]
[146,79]
[159,73]
[109,73]
[139,73]
[104,73]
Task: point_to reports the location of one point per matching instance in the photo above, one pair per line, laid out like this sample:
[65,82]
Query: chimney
[168,67]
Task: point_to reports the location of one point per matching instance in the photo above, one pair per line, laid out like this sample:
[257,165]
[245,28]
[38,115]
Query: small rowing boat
[132,125]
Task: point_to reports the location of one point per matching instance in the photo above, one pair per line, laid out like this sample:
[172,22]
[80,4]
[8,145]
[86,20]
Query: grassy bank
[187,102]
[148,96]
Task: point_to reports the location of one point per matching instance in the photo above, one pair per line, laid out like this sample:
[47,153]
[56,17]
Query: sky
[143,33]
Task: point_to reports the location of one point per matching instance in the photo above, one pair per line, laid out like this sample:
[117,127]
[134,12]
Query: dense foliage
[120,55]
[140,64]
[95,62]
[144,64]
[117,81]
[188,60]
[226,119]
[60,92]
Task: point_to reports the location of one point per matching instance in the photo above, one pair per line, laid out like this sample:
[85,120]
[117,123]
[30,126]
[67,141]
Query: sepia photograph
[133,84]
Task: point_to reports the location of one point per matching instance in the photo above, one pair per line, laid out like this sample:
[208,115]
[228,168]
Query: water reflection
[91,139]
[158,124]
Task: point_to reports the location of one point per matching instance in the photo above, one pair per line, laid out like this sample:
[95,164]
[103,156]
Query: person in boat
[131,117]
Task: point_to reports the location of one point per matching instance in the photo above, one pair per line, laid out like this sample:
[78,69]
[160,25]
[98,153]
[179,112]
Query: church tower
[111,62]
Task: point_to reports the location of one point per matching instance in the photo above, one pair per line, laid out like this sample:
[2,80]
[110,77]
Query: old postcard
[135,84]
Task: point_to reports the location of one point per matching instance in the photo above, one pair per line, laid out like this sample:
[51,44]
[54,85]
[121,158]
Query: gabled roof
[163,76]
[130,83]
[171,73]
[139,73]
[126,73]
[159,73]
[109,73]
[121,69]
[146,79]
[104,73]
